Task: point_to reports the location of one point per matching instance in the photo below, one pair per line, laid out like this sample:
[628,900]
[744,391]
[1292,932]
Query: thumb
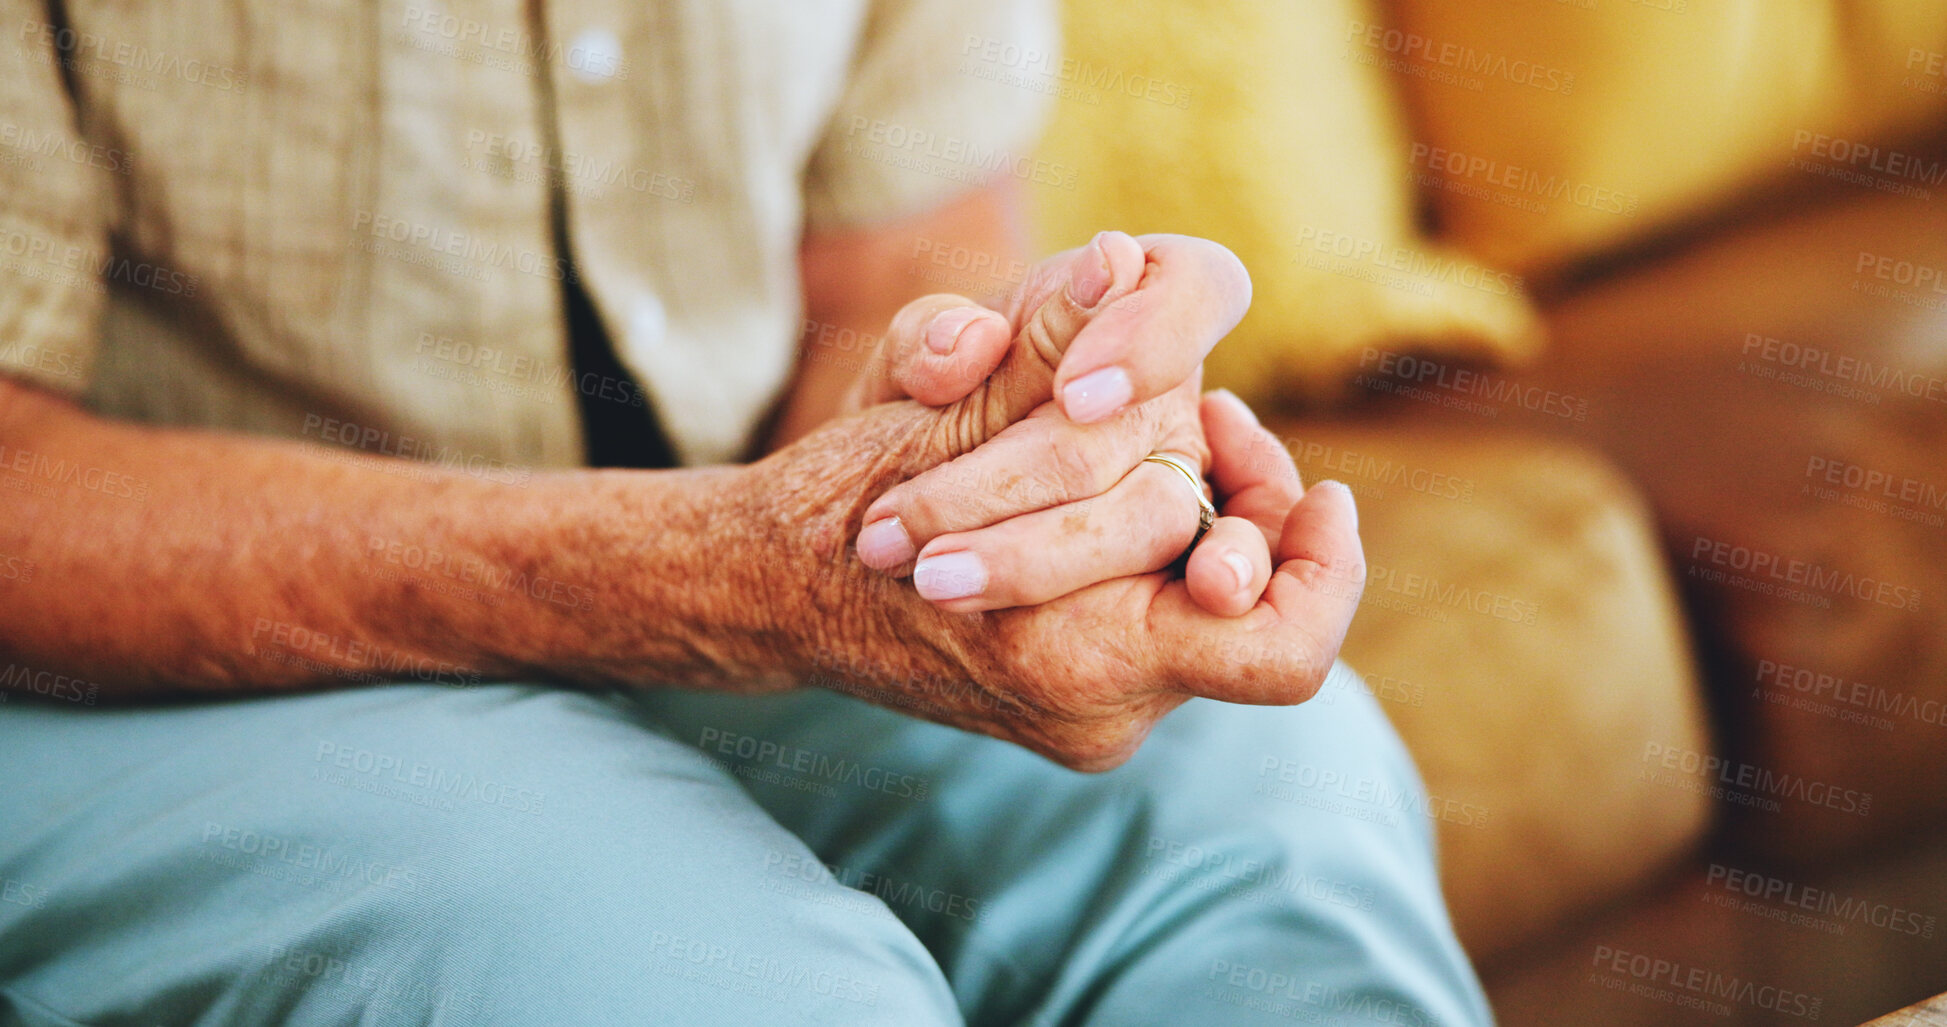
[938,348]
[1093,278]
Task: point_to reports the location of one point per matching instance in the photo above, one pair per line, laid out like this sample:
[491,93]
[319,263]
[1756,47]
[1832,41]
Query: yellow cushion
[1550,130]
[1244,123]
[1519,629]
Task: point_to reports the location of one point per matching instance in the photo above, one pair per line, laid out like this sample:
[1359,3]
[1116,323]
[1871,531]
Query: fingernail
[1089,278]
[884,544]
[1096,395]
[945,330]
[1240,568]
[950,576]
[1241,405]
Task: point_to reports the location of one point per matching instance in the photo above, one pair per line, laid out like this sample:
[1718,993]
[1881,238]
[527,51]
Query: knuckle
[1076,463]
[919,506]
[1049,332]
[1098,747]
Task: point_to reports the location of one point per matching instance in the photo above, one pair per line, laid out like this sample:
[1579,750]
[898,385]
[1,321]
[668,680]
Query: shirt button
[595,55]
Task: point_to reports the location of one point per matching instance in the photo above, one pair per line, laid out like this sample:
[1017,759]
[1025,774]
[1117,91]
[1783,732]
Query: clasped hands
[996,459]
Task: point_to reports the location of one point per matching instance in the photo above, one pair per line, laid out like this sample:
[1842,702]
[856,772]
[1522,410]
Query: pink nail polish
[1096,395]
[885,544]
[950,576]
[1089,278]
[1240,568]
[944,331]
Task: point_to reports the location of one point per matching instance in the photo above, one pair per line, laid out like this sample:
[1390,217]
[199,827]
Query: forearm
[144,559]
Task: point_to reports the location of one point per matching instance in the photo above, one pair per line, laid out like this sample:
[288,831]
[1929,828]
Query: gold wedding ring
[1206,513]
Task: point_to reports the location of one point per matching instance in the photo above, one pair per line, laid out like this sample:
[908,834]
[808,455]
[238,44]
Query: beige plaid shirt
[334,220]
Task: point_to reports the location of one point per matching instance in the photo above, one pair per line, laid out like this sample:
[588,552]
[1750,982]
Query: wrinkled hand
[1081,678]
[1059,498]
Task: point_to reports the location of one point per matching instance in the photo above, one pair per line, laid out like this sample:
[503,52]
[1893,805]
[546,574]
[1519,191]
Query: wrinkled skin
[1083,677]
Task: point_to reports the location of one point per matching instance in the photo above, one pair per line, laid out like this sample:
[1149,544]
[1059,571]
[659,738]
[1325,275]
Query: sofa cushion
[1519,628]
[1550,131]
[1248,124]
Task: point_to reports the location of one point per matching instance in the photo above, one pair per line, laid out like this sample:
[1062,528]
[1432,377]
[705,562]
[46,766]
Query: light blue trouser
[525,855]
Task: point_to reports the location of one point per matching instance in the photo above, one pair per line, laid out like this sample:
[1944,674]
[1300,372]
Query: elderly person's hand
[1062,498]
[1080,678]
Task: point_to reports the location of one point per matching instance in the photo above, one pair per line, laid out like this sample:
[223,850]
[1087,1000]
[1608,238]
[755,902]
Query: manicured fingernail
[884,545]
[950,576]
[945,330]
[1240,568]
[1096,395]
[1241,405]
[1089,277]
